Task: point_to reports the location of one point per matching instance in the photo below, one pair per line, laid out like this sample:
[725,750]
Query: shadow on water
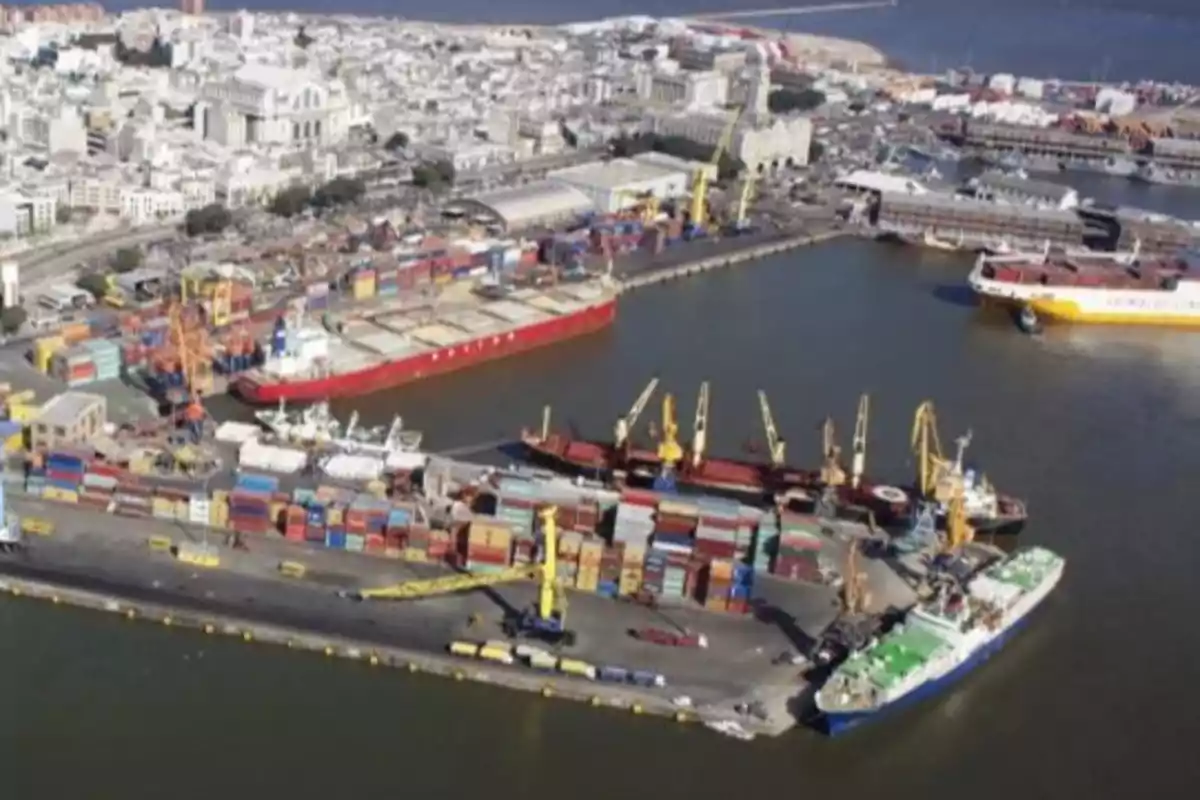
[956,294]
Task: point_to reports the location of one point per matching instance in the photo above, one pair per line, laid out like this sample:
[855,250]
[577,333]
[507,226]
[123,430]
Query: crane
[775,445]
[700,426]
[669,451]
[859,446]
[625,424]
[647,204]
[547,620]
[927,447]
[741,223]
[699,207]
[832,473]
[958,530]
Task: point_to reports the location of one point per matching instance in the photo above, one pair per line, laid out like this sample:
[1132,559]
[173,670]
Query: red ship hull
[263,390]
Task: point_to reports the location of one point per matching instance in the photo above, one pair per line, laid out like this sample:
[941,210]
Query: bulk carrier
[1103,288]
[356,356]
[670,466]
[939,641]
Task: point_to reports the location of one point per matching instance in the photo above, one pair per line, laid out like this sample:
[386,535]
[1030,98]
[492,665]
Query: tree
[624,147]
[433,174]
[815,151]
[339,191]
[291,202]
[127,259]
[95,283]
[783,101]
[398,141]
[213,218]
[63,215]
[11,319]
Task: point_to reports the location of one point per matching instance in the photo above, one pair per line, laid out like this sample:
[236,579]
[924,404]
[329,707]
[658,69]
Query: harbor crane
[700,426]
[546,620]
[625,424]
[958,530]
[741,222]
[938,478]
[699,208]
[647,205]
[859,445]
[832,473]
[775,445]
[669,450]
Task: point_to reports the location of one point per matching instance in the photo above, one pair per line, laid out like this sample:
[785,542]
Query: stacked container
[515,504]
[633,561]
[717,531]
[386,283]
[766,542]
[718,584]
[95,360]
[132,499]
[63,476]
[742,589]
[489,546]
[250,512]
[570,546]
[800,543]
[97,491]
[295,523]
[591,554]
[363,283]
[634,522]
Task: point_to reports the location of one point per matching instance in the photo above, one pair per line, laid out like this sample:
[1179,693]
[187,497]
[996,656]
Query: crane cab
[529,624]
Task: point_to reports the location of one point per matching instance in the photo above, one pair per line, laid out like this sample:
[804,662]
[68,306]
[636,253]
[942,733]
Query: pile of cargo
[799,548]
[489,546]
[536,658]
[94,360]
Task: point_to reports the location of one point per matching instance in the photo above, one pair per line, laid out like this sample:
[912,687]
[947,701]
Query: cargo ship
[670,467]
[308,363]
[939,641]
[1102,288]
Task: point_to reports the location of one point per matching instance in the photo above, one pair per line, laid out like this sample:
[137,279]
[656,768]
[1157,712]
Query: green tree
[433,174]
[291,202]
[11,319]
[127,259]
[63,215]
[212,218]
[339,191]
[397,141]
[95,283]
[783,101]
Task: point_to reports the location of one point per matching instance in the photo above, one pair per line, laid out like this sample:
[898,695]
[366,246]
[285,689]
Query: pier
[758,252]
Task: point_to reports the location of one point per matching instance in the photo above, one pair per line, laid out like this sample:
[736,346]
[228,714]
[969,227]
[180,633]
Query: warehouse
[617,184]
[528,206]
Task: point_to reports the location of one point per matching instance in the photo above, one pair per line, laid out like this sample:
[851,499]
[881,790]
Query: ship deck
[1086,272]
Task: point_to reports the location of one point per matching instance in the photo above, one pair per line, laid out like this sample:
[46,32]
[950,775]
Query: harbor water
[1097,428]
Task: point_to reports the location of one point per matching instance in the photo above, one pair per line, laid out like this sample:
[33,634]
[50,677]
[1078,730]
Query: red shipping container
[376,543]
[105,469]
[714,549]
[738,606]
[295,533]
[639,497]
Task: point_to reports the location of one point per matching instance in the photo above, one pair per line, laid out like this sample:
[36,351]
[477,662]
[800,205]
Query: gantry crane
[190,341]
[832,473]
[700,426]
[669,450]
[775,445]
[938,478]
[625,424]
[547,620]
[699,208]
[858,461]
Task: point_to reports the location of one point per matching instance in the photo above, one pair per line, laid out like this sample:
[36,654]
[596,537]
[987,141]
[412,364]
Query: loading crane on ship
[546,620]
[776,447]
[859,444]
[938,478]
[625,424]
[958,529]
[670,452]
[698,214]
[700,426]
[832,473]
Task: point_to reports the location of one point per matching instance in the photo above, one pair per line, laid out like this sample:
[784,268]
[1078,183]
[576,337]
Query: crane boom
[669,451]
[775,445]
[699,213]
[926,447]
[744,202]
[832,473]
[859,445]
[625,424]
[700,426]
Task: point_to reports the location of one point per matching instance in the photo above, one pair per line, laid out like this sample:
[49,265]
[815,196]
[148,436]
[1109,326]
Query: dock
[733,258]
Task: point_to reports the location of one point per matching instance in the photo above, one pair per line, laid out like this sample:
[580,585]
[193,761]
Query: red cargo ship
[369,354]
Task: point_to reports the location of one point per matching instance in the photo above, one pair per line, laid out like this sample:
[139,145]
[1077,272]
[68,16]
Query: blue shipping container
[335,539]
[249,482]
[613,674]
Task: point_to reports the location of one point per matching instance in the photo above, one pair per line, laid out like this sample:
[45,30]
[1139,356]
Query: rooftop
[65,409]
[615,174]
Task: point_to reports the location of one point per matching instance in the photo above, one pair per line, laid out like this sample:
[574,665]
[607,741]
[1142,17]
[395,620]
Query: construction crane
[775,445]
[832,473]
[547,620]
[625,424]
[669,450]
[858,447]
[699,207]
[700,426]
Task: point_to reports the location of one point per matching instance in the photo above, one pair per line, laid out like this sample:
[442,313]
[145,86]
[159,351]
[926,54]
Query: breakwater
[724,260]
[622,698]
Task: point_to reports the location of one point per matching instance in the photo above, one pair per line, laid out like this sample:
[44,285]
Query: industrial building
[762,143]
[869,183]
[617,184]
[961,218]
[70,418]
[540,203]
[1011,189]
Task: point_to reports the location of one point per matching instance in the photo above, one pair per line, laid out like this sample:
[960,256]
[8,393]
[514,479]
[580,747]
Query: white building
[23,213]
[618,184]
[762,145]
[261,104]
[693,90]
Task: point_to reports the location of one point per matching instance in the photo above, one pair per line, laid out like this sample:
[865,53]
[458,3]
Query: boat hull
[263,390]
[838,723]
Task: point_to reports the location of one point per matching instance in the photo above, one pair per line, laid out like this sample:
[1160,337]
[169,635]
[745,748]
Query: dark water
[1098,428]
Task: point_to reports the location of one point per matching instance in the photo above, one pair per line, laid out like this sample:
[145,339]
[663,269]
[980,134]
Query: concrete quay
[733,258]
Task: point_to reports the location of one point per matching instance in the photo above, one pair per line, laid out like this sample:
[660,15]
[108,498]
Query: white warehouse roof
[534,203]
[881,182]
[616,174]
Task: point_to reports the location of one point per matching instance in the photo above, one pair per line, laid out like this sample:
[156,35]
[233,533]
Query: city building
[70,418]
[532,205]
[763,144]
[261,104]
[618,184]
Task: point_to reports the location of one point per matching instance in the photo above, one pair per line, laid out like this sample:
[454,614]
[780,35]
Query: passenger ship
[1105,288]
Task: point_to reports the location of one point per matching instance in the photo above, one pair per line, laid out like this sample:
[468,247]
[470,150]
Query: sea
[1098,428]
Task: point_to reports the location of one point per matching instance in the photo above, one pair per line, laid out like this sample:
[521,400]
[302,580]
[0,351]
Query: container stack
[399,528]
[44,350]
[591,554]
[489,546]
[611,561]
[742,589]
[718,584]
[634,524]
[97,491]
[516,503]
[296,524]
[633,562]
[387,285]
[363,283]
[570,545]
[131,499]
[800,543]
[766,542]
[95,360]
[250,511]
[63,476]
[716,533]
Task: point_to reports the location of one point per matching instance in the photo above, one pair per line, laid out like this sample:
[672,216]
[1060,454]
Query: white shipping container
[198,510]
[406,461]
[270,458]
[353,468]
[237,432]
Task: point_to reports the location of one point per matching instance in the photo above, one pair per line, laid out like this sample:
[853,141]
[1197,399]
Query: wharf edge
[598,695]
[724,260]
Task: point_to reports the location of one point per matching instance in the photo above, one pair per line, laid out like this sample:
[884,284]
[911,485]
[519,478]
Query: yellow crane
[700,426]
[625,424]
[832,473]
[669,450]
[742,221]
[548,618]
[927,447]
[220,296]
[859,446]
[699,208]
[958,530]
[647,204]
[775,445]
